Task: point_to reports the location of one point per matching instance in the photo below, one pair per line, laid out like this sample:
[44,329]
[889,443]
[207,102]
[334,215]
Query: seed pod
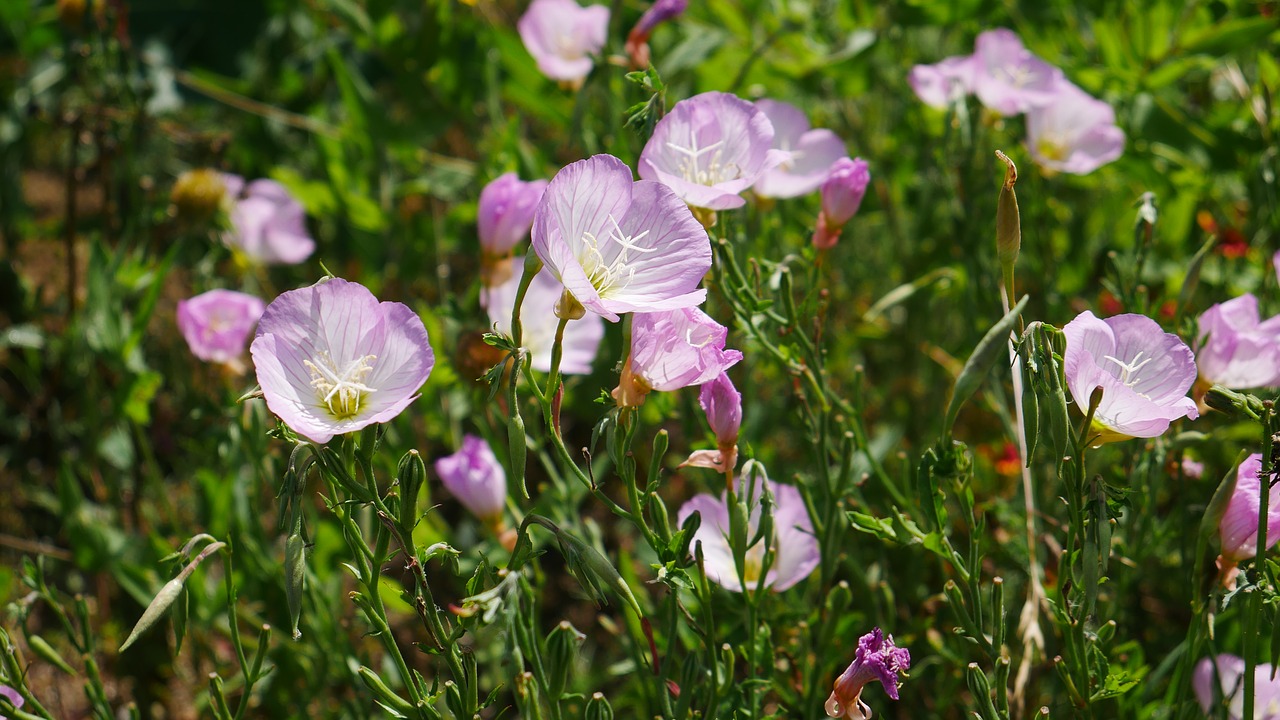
[1008,225]
[386,696]
[598,708]
[156,610]
[562,652]
[295,572]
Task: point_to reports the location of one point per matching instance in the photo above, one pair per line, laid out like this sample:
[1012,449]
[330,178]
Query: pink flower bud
[506,212]
[843,190]
[217,324]
[1238,528]
[475,477]
[723,405]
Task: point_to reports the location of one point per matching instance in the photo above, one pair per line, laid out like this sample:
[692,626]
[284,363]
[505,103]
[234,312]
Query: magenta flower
[943,83]
[671,350]
[268,226]
[722,403]
[842,194]
[1074,132]
[505,213]
[660,11]
[216,325]
[877,659]
[1234,349]
[620,246]
[1228,690]
[476,478]
[1192,468]
[331,359]
[1009,79]
[794,546]
[1143,371]
[561,35]
[14,697]
[811,152]
[709,149]
[1238,528]
[538,324]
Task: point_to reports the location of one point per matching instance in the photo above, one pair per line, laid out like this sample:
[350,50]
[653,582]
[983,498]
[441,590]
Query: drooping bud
[842,194]
[475,477]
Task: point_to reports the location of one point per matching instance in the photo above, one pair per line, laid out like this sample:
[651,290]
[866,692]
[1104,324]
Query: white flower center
[342,391]
[1129,370]
[605,275]
[566,46]
[754,563]
[692,169]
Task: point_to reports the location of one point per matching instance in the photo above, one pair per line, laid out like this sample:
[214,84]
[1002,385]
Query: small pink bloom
[660,11]
[617,245]
[842,194]
[267,224]
[722,403]
[1143,371]
[1218,682]
[14,697]
[561,35]
[1007,77]
[505,213]
[1192,468]
[795,548]
[943,83]
[1074,132]
[709,149]
[811,152]
[538,324]
[877,659]
[216,324]
[331,359]
[1238,529]
[475,477]
[678,348]
[1235,349]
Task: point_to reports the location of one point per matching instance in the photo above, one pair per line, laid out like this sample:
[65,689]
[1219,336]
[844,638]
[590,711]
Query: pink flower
[538,324]
[1192,468]
[842,194]
[268,224]
[1074,132]
[1227,691]
[1007,77]
[877,659]
[620,246]
[14,697]
[793,543]
[722,403]
[216,325]
[812,152]
[678,348]
[660,11]
[331,359]
[709,149]
[1238,528]
[475,477]
[1143,371]
[561,35]
[505,212]
[1234,349]
[943,83]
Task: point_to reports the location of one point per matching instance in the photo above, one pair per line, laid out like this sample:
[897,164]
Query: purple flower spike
[216,325]
[678,348]
[331,359]
[14,697]
[1143,371]
[1007,77]
[268,224]
[476,478]
[637,45]
[722,403]
[812,152]
[561,35]
[1074,133]
[538,324]
[1238,528]
[842,194]
[620,246]
[709,149]
[506,211]
[877,659]
[944,83]
[1234,349]
[1218,682]
[794,545]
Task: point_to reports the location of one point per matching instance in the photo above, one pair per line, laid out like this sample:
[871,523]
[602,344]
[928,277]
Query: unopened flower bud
[475,477]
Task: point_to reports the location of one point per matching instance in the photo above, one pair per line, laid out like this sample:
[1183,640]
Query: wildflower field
[721,359]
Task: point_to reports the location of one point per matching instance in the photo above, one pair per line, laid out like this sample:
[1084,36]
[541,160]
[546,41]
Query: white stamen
[341,391]
[1129,370]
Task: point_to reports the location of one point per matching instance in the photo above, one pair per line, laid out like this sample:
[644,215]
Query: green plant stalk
[1253,616]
